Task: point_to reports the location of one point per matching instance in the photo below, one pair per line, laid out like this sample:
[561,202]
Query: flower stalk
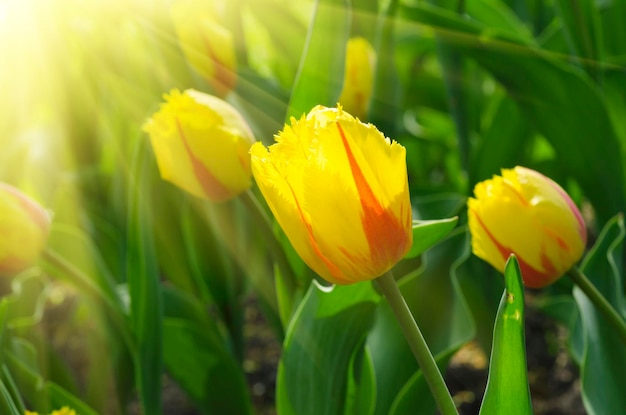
[601,303]
[418,344]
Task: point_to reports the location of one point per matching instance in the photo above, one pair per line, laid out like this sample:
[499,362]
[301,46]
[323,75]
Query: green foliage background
[156,278]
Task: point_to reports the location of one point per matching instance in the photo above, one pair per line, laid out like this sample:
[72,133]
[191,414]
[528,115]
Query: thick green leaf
[384,110]
[321,72]
[604,357]
[144,284]
[502,142]
[507,386]
[581,21]
[562,103]
[426,233]
[204,368]
[326,330]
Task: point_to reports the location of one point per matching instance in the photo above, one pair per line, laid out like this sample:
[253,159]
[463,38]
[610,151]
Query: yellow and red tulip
[339,190]
[24,227]
[358,80]
[525,213]
[207,45]
[202,145]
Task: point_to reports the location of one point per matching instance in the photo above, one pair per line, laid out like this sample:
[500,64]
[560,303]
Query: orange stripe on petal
[212,187]
[532,277]
[332,268]
[386,236]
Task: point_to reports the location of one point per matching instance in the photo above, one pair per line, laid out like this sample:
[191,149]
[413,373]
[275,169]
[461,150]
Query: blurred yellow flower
[24,227]
[63,411]
[207,45]
[358,80]
[339,189]
[525,213]
[201,144]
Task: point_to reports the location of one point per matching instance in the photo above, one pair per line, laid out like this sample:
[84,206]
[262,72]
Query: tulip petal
[201,144]
[525,213]
[24,228]
[331,168]
[280,196]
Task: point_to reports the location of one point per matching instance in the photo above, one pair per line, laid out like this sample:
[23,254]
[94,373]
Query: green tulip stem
[260,217]
[601,303]
[418,345]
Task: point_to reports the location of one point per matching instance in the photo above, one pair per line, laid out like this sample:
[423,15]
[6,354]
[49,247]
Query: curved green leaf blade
[321,72]
[507,386]
[426,233]
[327,329]
[604,356]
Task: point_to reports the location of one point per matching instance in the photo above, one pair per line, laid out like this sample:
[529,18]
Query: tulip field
[313,207]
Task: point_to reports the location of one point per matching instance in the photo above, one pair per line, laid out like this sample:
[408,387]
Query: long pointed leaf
[144,287]
[604,356]
[507,386]
[320,75]
[325,332]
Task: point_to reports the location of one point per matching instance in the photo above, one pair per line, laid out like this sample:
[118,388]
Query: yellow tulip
[339,190]
[24,227]
[525,213]
[359,77]
[207,45]
[201,144]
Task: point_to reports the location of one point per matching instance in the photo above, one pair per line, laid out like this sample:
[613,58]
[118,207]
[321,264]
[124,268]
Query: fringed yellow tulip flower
[339,190]
[207,45]
[24,227]
[202,145]
[525,213]
[359,77]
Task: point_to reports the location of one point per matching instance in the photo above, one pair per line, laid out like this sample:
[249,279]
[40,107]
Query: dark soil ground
[553,378]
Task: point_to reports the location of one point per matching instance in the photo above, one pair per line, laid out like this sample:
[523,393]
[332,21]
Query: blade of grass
[143,283]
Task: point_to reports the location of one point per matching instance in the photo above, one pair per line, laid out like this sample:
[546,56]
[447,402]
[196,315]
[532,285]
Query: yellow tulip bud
[207,45]
[202,145]
[359,77]
[339,190]
[525,213]
[24,227]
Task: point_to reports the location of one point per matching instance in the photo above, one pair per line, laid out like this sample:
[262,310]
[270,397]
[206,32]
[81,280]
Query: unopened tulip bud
[207,45]
[202,145]
[358,80]
[339,190]
[24,227]
[525,213]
